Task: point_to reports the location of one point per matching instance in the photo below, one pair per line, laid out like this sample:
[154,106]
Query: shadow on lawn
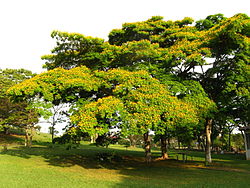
[132,169]
[10,139]
[86,156]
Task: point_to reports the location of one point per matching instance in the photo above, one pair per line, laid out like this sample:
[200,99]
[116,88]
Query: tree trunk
[242,134]
[179,144]
[31,135]
[132,140]
[164,154]
[199,143]
[93,138]
[6,130]
[208,158]
[147,148]
[229,140]
[53,127]
[52,133]
[168,144]
[26,143]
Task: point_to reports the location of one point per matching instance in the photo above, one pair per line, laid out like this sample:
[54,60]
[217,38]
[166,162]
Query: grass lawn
[47,166]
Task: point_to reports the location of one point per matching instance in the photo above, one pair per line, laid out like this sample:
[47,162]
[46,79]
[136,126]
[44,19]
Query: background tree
[57,114]
[8,109]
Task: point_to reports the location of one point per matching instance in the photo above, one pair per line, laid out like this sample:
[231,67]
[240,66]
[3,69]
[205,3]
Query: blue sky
[26,25]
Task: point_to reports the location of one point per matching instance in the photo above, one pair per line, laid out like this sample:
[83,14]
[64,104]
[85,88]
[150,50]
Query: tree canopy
[195,73]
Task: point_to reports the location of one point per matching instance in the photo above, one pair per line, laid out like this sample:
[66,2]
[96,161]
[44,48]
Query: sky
[26,25]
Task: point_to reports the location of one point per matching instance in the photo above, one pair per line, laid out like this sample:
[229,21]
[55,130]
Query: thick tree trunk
[147,148]
[132,140]
[93,138]
[164,154]
[208,158]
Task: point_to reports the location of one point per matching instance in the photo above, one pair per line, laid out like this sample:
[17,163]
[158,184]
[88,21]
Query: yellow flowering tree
[133,101]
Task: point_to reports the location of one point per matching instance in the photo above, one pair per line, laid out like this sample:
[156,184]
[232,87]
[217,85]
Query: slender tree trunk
[6,130]
[31,135]
[147,148]
[242,134]
[52,132]
[208,158]
[229,140]
[179,144]
[164,154]
[169,144]
[26,143]
[53,126]
[92,139]
[199,142]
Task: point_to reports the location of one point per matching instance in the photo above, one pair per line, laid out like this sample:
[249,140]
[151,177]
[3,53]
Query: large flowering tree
[133,101]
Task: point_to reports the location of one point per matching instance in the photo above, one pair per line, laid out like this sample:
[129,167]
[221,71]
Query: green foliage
[227,81]
[14,114]
[182,98]
[133,100]
[150,29]
[238,142]
[58,85]
[73,50]
[106,139]
[209,22]
[10,77]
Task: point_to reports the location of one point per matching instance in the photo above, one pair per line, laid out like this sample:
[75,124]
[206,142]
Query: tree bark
[148,156]
[208,158]
[132,140]
[164,154]
[179,144]
[6,130]
[229,140]
[26,143]
[93,138]
[31,135]
[199,142]
[52,132]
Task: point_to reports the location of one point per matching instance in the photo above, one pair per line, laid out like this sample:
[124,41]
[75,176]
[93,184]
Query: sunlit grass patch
[47,165]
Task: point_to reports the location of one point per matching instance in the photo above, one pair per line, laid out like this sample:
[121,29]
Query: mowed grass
[45,165]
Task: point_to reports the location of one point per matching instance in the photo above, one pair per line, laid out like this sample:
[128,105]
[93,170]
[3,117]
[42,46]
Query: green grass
[45,165]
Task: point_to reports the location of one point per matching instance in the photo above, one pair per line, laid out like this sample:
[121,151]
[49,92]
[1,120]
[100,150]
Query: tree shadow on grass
[86,156]
[131,168]
[10,139]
